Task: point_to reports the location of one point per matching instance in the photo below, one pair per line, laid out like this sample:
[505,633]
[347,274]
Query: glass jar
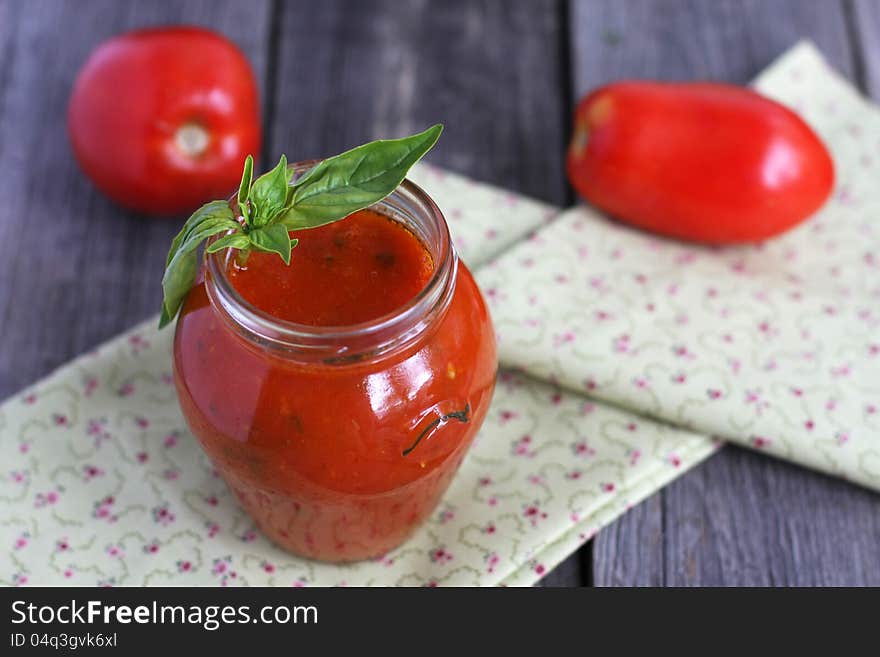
[340,440]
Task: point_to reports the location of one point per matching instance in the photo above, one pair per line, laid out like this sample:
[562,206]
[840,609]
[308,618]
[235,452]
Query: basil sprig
[270,206]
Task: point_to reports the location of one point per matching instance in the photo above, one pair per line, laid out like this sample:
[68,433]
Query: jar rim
[343,343]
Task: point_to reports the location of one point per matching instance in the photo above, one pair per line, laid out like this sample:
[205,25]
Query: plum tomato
[704,162]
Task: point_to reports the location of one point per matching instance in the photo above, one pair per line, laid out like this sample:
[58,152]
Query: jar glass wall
[340,440]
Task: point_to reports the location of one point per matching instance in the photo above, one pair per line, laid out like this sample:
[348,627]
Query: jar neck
[379,338]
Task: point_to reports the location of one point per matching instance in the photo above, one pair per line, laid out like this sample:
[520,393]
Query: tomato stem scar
[192,139]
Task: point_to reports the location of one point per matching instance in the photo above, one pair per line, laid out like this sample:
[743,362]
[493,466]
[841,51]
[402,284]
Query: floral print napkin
[774,346]
[102,484]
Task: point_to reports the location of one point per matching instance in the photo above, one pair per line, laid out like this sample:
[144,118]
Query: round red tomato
[704,162]
[162,119]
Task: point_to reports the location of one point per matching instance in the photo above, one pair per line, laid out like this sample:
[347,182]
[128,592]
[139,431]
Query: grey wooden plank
[630,551]
[350,72]
[744,519]
[865,27]
[738,518]
[728,40]
[491,71]
[76,269]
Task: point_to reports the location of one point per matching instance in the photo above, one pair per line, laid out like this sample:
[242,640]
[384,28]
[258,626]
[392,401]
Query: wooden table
[503,77]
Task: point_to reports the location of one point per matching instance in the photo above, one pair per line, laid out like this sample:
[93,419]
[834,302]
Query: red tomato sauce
[343,273]
[337,462]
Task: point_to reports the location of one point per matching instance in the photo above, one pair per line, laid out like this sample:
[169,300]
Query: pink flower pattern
[734,343]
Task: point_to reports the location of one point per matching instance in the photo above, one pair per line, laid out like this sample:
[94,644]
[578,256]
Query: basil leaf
[233,240]
[176,283]
[269,193]
[214,208]
[244,188]
[354,180]
[273,239]
[182,262]
[270,206]
[164,319]
[209,227]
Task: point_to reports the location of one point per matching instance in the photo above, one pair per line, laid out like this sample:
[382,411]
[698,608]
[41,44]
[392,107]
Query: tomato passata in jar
[337,396]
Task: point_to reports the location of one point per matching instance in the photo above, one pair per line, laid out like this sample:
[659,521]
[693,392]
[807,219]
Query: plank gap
[567,81]
[273,51]
[857,51]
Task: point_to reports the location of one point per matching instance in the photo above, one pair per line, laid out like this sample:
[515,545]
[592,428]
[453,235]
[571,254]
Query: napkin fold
[103,484]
